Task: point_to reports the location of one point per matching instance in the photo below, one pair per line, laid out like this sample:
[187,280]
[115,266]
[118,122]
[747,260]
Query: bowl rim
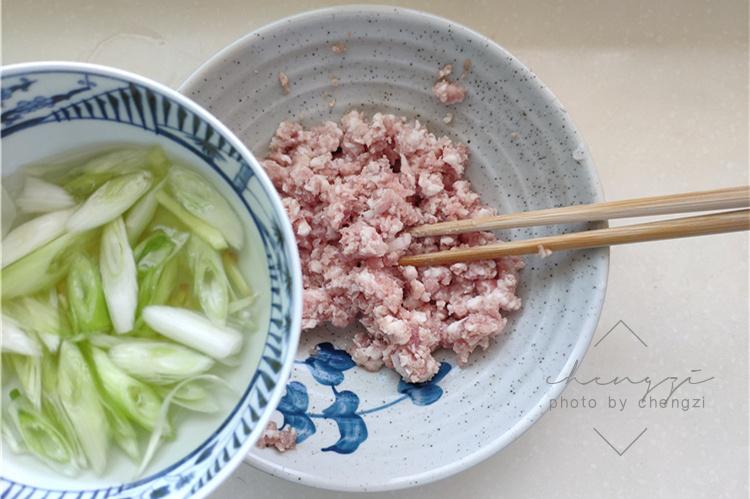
[589,327]
[295,300]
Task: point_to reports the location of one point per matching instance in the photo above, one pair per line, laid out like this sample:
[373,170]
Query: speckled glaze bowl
[361,431]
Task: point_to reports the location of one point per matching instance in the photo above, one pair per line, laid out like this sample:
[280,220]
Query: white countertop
[660,92]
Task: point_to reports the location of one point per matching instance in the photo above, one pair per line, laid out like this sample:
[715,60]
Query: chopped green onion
[16,340]
[40,314]
[73,276]
[159,362]
[118,276]
[192,397]
[39,196]
[85,185]
[198,226]
[158,247]
[189,391]
[232,269]
[12,437]
[182,296]
[105,341]
[8,210]
[210,283]
[40,435]
[33,235]
[122,432]
[128,160]
[40,269]
[167,283]
[162,423]
[193,330]
[141,214]
[110,201]
[134,398]
[83,180]
[241,304]
[88,308]
[200,198]
[29,373]
[207,405]
[79,397]
[53,407]
[63,166]
[152,257]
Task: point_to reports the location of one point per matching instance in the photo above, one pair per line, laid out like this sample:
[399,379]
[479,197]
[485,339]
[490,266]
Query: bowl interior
[525,154]
[95,120]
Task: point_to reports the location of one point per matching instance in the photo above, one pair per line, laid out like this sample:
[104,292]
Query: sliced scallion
[39,434]
[201,199]
[15,340]
[110,201]
[29,372]
[88,308]
[210,283]
[198,226]
[159,362]
[33,235]
[79,397]
[118,276]
[193,330]
[40,196]
[134,398]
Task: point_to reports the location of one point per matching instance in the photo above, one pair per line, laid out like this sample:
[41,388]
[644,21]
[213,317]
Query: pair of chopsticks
[715,223]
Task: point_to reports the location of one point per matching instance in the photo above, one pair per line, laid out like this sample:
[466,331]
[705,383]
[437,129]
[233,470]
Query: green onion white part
[193,330]
[40,196]
[118,276]
[34,234]
[40,315]
[142,212]
[210,283]
[16,340]
[159,362]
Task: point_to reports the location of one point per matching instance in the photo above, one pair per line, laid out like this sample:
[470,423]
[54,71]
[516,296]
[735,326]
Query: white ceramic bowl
[525,154]
[51,108]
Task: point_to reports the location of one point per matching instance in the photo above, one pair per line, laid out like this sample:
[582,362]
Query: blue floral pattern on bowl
[327,365]
[53,95]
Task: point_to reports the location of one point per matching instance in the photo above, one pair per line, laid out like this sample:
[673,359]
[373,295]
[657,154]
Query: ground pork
[352,190]
[281,440]
[338,48]
[447,91]
[284,82]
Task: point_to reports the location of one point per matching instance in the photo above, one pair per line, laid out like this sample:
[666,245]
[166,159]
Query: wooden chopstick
[714,223]
[719,199]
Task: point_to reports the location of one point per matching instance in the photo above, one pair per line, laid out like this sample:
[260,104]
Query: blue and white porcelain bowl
[363,431]
[49,108]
